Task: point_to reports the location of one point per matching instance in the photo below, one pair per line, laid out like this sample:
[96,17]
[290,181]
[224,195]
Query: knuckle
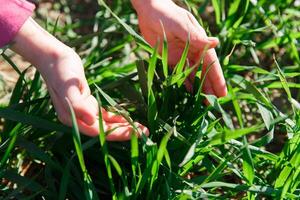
[62,119]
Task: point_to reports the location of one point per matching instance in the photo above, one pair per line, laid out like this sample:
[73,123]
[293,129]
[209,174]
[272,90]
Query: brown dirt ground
[9,77]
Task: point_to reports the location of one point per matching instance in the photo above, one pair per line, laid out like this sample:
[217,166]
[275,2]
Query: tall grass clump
[243,146]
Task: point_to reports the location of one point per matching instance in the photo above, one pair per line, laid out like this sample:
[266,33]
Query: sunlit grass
[194,151]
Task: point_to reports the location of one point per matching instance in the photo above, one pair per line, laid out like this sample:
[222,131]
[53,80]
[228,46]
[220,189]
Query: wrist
[38,46]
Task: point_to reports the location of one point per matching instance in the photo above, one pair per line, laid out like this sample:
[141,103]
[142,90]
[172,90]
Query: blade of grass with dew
[269,191]
[35,87]
[152,108]
[278,85]
[248,166]
[168,159]
[89,188]
[236,6]
[104,149]
[192,150]
[19,89]
[112,102]
[216,105]
[180,65]
[142,77]
[12,137]
[63,187]
[119,170]
[16,95]
[180,77]
[126,26]
[117,107]
[267,116]
[252,89]
[217,9]
[257,151]
[143,180]
[165,55]
[116,165]
[227,135]
[203,77]
[37,153]
[122,112]
[284,178]
[55,26]
[24,183]
[35,121]
[284,83]
[134,159]
[160,154]
[14,66]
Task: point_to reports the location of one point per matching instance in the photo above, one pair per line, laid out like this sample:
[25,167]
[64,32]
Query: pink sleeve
[13,14]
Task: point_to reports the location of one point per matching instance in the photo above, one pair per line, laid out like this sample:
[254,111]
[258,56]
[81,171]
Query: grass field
[243,146]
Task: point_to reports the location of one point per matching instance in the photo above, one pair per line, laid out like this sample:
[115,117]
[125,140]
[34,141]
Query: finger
[215,73]
[112,118]
[174,52]
[62,113]
[123,128]
[196,24]
[123,131]
[201,43]
[115,131]
[198,42]
[152,37]
[85,108]
[119,131]
[84,104]
[200,31]
[89,130]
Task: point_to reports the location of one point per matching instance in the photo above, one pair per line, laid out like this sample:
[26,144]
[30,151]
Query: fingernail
[213,39]
[213,42]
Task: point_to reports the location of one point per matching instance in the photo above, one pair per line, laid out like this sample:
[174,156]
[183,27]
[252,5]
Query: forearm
[36,45]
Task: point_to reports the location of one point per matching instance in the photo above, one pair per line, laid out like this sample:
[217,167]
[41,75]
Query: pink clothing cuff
[13,14]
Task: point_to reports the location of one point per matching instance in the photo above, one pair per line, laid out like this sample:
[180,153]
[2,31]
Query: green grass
[230,149]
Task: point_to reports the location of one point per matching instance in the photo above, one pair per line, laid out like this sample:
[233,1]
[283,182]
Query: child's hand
[65,78]
[178,24]
[64,75]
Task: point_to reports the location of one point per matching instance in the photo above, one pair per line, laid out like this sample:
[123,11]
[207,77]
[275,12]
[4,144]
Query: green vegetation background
[246,145]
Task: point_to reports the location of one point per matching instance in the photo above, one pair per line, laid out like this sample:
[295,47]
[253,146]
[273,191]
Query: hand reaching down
[66,80]
[157,16]
[64,75]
